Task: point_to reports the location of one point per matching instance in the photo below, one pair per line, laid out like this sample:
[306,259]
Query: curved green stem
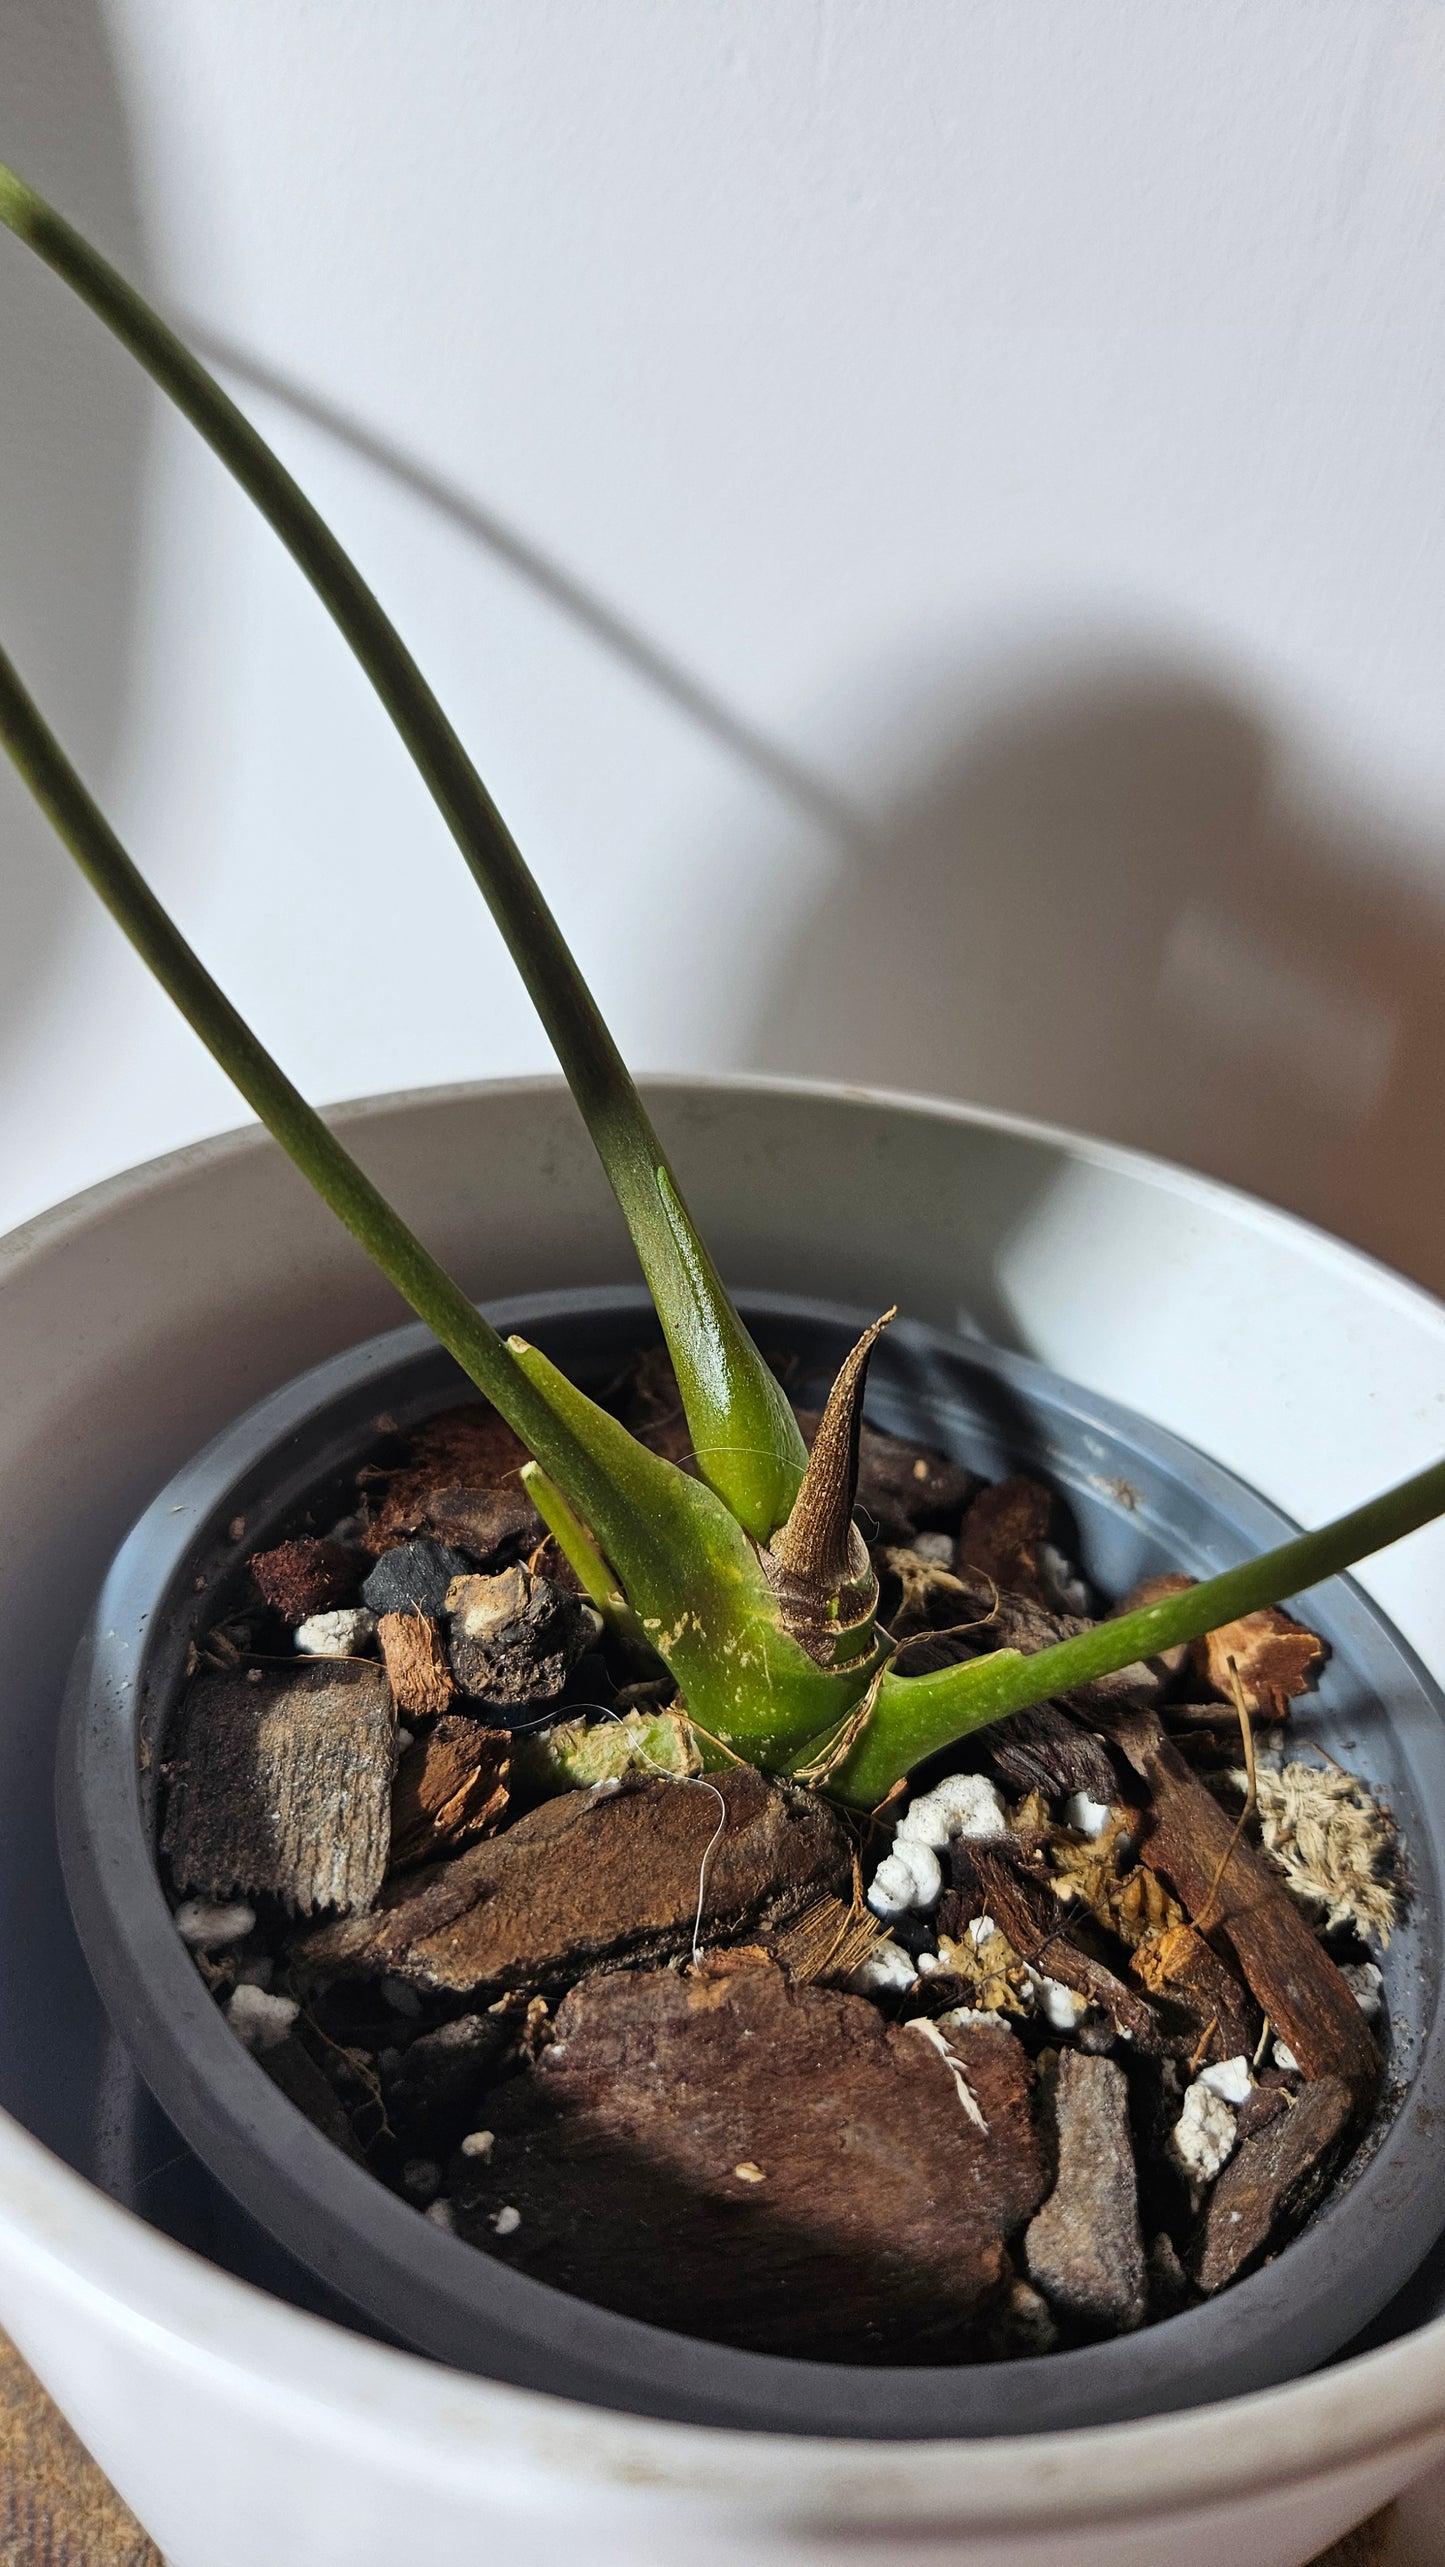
[581,1553]
[917,1715]
[302,1134]
[744,1432]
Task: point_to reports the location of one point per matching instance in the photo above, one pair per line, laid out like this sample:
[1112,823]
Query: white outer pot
[134,1321]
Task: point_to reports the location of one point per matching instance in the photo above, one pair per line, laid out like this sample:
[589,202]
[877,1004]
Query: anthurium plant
[751,1582]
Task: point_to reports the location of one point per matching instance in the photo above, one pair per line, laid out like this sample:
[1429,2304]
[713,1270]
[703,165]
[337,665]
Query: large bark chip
[593,1877]
[1230,1889]
[771,2162]
[461,1485]
[1272,2183]
[1085,2250]
[283,1787]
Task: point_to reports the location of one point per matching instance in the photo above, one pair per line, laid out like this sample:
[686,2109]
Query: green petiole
[746,1437]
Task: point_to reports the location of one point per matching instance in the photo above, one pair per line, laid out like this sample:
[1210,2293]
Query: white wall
[1004,435]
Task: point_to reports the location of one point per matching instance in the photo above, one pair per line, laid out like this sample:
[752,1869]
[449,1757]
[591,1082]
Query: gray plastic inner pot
[1141,1501]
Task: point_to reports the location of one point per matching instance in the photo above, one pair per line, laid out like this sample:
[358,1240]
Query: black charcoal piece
[413,1577]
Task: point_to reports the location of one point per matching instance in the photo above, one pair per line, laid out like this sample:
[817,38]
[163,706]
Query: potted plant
[752,1565]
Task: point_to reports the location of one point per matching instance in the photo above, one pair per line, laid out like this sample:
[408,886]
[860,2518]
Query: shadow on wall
[1098,905]
[74,435]
[1101,908]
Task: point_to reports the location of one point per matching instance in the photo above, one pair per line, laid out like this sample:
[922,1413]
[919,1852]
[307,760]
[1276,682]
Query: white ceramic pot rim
[475,2433]
[152,1176]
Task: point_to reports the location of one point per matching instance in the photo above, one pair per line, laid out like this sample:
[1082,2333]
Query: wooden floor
[56,2510]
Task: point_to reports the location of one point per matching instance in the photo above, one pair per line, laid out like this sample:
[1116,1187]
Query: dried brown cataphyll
[1049,2049]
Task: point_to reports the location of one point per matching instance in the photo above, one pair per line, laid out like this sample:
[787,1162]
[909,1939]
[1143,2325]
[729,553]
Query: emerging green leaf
[698,1587]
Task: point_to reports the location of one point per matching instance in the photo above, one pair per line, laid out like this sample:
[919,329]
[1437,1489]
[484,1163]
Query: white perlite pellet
[1031,2320]
[1086,1817]
[507,2221]
[908,1877]
[208,1927]
[1062,2007]
[440,2214]
[343,1634]
[1069,1593]
[1366,1983]
[887,1971]
[1284,2058]
[937,1547]
[961,1805]
[479,2143]
[1230,2079]
[259,2019]
[1202,2139]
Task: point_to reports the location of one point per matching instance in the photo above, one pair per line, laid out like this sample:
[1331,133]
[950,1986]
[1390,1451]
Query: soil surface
[1071,2035]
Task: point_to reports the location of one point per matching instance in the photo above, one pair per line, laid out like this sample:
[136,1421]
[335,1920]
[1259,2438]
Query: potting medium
[1142,1503]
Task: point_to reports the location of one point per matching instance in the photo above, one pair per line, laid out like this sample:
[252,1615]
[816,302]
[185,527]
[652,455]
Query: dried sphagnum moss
[1336,1846]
